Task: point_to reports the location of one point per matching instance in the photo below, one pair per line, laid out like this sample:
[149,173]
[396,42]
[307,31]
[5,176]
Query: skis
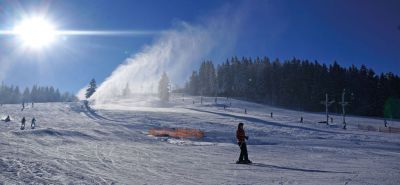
[244,162]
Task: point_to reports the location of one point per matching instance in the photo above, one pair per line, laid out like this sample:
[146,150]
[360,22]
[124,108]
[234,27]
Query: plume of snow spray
[177,52]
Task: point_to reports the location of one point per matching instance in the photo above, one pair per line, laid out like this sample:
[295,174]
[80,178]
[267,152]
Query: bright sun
[35,32]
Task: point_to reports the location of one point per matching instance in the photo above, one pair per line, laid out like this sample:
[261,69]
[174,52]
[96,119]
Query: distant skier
[385,122]
[8,119]
[32,104]
[301,119]
[33,123]
[23,123]
[241,136]
[272,114]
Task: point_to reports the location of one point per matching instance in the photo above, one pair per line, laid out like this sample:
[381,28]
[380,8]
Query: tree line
[299,84]
[10,94]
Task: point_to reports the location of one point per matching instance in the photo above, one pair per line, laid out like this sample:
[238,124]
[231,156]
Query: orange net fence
[176,132]
[379,129]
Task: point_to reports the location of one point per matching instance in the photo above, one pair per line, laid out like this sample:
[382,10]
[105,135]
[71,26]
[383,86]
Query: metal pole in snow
[326,107]
[327,104]
[344,104]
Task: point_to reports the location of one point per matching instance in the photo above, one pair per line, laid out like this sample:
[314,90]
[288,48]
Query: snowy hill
[109,144]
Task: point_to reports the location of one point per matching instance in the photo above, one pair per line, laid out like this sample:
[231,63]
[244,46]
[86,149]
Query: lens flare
[35,32]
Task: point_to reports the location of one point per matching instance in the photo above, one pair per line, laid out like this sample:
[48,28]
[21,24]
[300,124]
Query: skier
[241,136]
[7,118]
[33,123]
[23,123]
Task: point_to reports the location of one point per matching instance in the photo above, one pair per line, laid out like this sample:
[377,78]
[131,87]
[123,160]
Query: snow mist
[177,52]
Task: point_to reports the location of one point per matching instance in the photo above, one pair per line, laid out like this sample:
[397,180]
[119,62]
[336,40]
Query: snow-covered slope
[110,145]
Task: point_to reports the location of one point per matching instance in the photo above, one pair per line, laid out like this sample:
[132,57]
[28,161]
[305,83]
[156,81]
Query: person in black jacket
[241,136]
[8,119]
[23,123]
[33,123]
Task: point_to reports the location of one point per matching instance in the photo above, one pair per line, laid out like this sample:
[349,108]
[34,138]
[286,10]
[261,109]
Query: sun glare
[35,32]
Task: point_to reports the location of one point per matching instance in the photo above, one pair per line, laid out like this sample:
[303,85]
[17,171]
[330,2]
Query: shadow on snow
[294,169]
[250,119]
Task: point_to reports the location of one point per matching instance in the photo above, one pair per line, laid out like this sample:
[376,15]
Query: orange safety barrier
[176,132]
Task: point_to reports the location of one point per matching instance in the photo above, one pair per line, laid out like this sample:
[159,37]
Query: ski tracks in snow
[112,146]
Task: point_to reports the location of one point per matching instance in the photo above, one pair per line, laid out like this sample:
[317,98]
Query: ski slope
[109,144]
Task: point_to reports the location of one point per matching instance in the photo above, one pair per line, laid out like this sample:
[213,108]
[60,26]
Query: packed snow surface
[110,144]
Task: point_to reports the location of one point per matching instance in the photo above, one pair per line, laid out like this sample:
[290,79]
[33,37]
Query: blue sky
[350,32]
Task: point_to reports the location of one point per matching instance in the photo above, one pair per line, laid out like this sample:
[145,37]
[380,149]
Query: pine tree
[193,86]
[51,96]
[91,89]
[16,95]
[26,96]
[300,84]
[58,95]
[163,88]
[2,88]
[34,94]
